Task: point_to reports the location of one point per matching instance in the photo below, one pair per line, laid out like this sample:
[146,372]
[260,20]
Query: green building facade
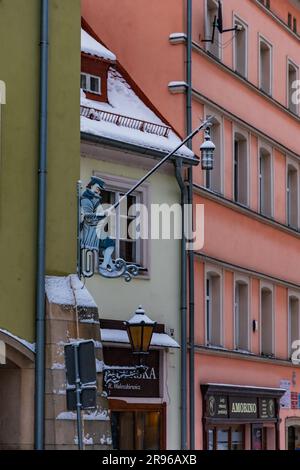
[19,154]
[20,64]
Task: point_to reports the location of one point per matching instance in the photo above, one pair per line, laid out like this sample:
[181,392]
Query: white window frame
[237,19]
[121,184]
[211,270]
[270,287]
[294,164]
[88,77]
[292,294]
[220,120]
[268,148]
[237,278]
[262,39]
[207,32]
[239,130]
[289,61]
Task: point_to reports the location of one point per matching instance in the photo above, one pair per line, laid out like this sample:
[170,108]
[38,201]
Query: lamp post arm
[203,125]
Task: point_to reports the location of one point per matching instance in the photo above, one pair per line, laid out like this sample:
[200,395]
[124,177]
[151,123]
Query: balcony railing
[125,121]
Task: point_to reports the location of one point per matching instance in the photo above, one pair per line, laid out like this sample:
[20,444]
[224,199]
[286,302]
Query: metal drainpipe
[183,310]
[191,252]
[41,241]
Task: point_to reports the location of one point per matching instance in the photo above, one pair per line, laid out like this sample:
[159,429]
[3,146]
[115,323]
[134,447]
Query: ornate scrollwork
[90,259]
[114,375]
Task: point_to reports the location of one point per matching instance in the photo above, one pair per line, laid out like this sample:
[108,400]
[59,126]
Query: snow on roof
[89,45]
[121,336]
[140,316]
[123,100]
[64,291]
[28,345]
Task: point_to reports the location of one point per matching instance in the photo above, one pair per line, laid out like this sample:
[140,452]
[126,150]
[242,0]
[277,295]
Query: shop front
[137,403]
[293,433]
[240,418]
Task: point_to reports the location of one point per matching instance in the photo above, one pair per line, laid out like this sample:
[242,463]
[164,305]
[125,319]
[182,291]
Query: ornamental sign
[217,407]
[266,408]
[144,383]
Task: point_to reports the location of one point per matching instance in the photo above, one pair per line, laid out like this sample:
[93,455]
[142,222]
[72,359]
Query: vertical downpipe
[191,252]
[41,235]
[183,309]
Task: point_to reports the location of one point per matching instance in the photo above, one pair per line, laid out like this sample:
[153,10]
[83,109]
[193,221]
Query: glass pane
[128,251]
[152,431]
[108,197]
[291,438]
[135,333]
[147,332]
[210,439]
[257,437]
[95,84]
[83,81]
[139,430]
[237,438]
[123,431]
[223,439]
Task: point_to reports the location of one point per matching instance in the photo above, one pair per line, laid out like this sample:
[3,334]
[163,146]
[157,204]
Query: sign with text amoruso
[145,385]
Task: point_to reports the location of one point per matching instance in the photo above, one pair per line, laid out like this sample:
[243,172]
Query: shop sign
[266,408]
[294,400]
[217,407]
[146,384]
[239,404]
[242,407]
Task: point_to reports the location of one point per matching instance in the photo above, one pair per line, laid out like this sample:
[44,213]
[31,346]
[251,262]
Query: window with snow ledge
[127,224]
[292,196]
[240,167]
[267,321]
[213,304]
[93,77]
[240,46]
[241,313]
[293,320]
[292,84]
[211,7]
[265,66]
[265,180]
[214,179]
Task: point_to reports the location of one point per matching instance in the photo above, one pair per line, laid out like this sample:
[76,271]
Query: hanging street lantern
[140,330]
[207,152]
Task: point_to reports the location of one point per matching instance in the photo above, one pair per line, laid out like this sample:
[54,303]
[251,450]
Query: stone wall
[64,325]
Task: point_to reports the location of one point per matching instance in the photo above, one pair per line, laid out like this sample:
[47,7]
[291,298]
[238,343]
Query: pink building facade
[247,276]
